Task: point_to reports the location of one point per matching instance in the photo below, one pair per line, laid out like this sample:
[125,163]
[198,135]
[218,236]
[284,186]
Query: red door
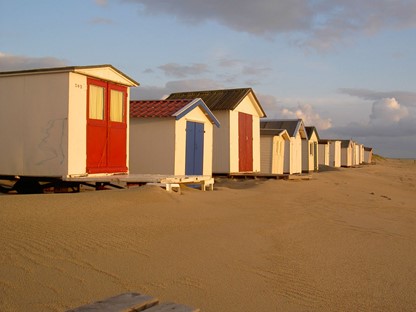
[106,127]
[245,142]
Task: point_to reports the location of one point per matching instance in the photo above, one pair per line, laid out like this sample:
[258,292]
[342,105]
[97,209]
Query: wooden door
[106,127]
[245,142]
[194,158]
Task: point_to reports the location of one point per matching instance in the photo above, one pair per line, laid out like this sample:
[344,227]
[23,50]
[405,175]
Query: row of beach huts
[77,124]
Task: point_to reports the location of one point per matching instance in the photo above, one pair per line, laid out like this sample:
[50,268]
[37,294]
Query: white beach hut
[272,150]
[237,141]
[173,137]
[293,149]
[310,158]
[361,153]
[347,153]
[323,150]
[62,122]
[357,151]
[368,155]
[335,153]
[334,148]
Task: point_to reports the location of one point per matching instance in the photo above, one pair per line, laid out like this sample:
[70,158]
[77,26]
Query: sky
[347,67]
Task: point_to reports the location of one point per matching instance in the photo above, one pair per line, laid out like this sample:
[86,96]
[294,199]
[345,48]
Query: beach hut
[272,150]
[357,152]
[323,151]
[335,153]
[368,154]
[62,122]
[237,141]
[347,153]
[310,151]
[293,148]
[361,153]
[173,137]
[334,148]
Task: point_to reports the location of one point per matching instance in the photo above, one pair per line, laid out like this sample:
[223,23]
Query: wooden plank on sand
[169,306]
[127,302]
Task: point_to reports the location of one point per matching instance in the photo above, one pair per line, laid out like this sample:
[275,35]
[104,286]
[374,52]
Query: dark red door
[106,127]
[245,142]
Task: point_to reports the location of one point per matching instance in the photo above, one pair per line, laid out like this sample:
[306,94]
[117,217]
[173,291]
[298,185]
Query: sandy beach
[343,241]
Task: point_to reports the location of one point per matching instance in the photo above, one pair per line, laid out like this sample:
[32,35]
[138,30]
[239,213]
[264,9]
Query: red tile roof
[157,108]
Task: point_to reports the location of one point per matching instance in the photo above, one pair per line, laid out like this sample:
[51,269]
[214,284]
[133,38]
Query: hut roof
[226,99]
[87,70]
[310,130]
[292,126]
[168,108]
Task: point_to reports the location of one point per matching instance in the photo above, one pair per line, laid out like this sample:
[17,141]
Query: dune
[343,241]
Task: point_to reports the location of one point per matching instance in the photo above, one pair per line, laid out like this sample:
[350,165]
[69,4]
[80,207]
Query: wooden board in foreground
[133,302]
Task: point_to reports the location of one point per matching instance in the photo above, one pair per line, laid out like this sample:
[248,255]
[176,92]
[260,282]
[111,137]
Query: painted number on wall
[78,85]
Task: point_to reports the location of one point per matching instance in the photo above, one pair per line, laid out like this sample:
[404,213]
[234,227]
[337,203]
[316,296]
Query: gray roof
[226,99]
[64,69]
[292,126]
[310,130]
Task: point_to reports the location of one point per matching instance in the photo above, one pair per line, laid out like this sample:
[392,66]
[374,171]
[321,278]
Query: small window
[116,106]
[96,102]
[311,148]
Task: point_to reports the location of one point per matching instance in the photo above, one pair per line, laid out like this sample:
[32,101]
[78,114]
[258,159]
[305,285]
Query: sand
[343,241]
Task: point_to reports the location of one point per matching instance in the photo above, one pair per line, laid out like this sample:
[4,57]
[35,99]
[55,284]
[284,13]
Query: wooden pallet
[133,302]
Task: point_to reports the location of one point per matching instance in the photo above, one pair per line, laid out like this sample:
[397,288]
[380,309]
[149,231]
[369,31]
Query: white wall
[34,125]
[296,154]
[152,145]
[346,156]
[222,143]
[266,152]
[77,124]
[323,154]
[335,154]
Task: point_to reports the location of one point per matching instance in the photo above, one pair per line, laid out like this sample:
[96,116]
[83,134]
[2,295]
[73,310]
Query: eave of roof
[293,126]
[169,108]
[275,132]
[224,99]
[65,69]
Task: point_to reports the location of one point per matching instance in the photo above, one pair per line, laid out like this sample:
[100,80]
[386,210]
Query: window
[311,148]
[96,102]
[116,106]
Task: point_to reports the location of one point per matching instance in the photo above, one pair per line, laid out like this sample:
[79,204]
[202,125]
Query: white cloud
[18,62]
[101,21]
[319,25]
[387,111]
[101,2]
[389,119]
[182,71]
[307,113]
[154,93]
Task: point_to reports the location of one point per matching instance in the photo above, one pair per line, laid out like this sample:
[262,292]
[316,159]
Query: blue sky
[345,66]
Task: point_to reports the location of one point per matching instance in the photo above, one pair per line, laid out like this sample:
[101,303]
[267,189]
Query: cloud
[101,3]
[405,98]
[182,71]
[101,21]
[154,93]
[388,117]
[307,113]
[387,111]
[318,25]
[18,62]
[238,72]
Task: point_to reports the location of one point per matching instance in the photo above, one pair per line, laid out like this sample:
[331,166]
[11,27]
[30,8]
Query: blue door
[194,148]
